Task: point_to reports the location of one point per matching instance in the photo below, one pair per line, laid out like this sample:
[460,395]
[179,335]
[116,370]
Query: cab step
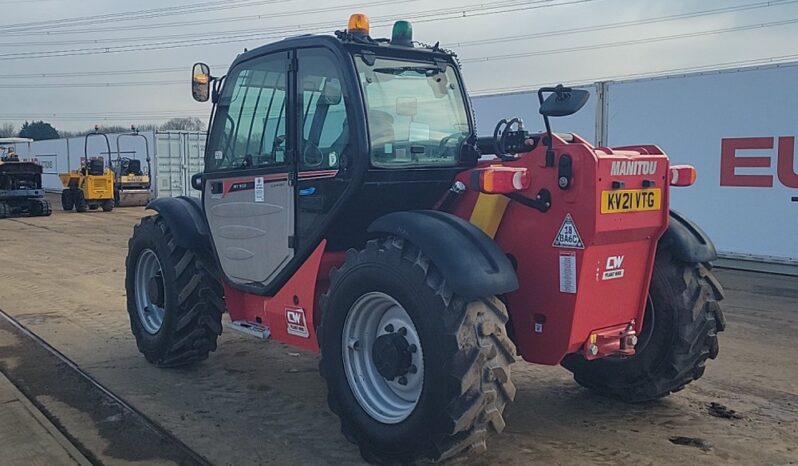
[250,328]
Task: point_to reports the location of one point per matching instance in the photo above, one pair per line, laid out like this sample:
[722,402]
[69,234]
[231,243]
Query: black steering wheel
[442,149]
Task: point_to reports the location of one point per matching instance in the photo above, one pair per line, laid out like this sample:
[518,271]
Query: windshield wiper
[425,70]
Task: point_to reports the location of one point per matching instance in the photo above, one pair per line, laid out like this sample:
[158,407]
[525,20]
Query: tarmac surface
[255,402]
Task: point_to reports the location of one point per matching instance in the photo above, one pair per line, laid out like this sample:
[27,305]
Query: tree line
[42,130]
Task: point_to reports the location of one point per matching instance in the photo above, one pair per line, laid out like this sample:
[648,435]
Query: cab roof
[346,44]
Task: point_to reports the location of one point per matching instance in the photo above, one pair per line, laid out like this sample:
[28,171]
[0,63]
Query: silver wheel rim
[387,401]
[151,315]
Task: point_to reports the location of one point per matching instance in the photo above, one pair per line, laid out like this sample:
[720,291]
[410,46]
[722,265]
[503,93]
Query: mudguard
[470,261]
[687,241]
[184,217]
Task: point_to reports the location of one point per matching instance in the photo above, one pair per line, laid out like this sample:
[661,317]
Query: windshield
[416,113]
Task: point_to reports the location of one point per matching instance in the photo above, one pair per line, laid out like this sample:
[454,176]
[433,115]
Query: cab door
[248,191]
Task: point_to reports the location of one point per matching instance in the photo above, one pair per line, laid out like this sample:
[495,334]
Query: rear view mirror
[201,82]
[563,101]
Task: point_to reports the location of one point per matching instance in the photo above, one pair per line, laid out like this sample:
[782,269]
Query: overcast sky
[551,41]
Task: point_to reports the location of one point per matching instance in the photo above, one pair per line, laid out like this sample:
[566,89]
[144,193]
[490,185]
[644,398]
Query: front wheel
[680,332]
[108,205]
[174,301]
[67,199]
[412,370]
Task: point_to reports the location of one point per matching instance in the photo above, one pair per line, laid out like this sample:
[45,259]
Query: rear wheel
[67,199]
[174,301]
[108,205]
[680,332]
[412,370]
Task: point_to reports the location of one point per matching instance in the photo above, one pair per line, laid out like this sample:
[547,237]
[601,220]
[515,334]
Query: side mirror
[201,82]
[563,101]
[196,181]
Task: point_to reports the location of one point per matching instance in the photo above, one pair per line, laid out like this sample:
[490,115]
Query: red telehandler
[349,208]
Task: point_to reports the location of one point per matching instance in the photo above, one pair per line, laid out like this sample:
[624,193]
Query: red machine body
[589,288]
[583,273]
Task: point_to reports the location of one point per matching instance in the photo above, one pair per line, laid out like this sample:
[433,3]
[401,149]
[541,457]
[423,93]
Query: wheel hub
[155,290]
[392,355]
[382,357]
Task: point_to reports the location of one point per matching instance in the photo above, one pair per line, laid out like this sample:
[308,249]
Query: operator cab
[307,132]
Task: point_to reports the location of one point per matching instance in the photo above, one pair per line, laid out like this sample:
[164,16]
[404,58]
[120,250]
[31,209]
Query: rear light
[500,180]
[683,175]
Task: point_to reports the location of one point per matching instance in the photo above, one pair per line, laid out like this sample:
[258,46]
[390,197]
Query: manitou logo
[730,161]
[633,167]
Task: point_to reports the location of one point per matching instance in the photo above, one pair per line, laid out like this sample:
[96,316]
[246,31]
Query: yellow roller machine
[131,183]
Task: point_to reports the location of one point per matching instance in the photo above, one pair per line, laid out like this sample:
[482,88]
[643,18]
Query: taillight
[683,175]
[500,180]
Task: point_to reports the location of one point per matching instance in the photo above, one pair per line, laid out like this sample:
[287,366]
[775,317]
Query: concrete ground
[27,436]
[264,403]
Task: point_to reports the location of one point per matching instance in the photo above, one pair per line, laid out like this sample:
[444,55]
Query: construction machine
[131,183]
[92,185]
[21,189]
[349,208]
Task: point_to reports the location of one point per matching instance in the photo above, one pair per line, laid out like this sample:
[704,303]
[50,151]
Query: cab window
[322,98]
[249,124]
[416,113]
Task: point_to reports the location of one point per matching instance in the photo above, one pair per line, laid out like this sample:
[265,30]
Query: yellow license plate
[630,200]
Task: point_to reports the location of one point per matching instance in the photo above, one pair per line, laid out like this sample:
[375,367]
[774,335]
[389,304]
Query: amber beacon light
[358,24]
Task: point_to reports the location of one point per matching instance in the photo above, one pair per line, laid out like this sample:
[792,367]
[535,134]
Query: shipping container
[737,127]
[175,156]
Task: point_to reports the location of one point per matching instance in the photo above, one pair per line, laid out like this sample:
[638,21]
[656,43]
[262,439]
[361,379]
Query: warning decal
[567,272]
[568,236]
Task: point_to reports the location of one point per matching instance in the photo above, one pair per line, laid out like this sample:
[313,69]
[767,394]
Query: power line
[495,8]
[166,114]
[465,60]
[486,41]
[581,82]
[134,15]
[616,25]
[629,42]
[462,10]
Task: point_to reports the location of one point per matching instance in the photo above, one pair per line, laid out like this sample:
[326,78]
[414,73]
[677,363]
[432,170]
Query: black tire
[680,332]
[108,205]
[5,210]
[467,357]
[67,199]
[80,202]
[193,298]
[93,206]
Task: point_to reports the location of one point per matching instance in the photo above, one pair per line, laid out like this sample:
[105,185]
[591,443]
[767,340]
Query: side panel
[251,220]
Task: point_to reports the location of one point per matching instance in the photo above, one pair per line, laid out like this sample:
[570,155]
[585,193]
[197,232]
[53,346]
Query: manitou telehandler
[348,208]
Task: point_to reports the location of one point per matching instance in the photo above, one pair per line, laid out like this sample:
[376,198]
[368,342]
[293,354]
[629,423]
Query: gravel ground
[264,403]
